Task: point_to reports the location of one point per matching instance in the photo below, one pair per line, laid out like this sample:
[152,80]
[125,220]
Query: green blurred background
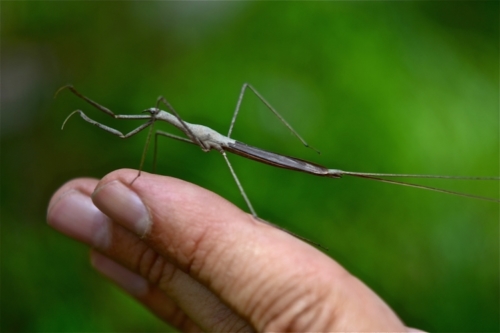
[403,87]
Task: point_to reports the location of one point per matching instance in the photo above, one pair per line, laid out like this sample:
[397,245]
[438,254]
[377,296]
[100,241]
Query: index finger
[267,276]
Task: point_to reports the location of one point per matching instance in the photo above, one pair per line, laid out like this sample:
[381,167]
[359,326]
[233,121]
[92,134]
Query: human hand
[200,263]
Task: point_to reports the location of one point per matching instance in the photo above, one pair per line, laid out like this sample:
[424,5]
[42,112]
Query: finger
[149,295]
[81,221]
[275,281]
[72,212]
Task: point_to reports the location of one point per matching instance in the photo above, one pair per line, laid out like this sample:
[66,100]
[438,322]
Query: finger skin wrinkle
[218,263]
[135,246]
[209,257]
[277,307]
[151,265]
[300,303]
[299,310]
[181,236]
[204,251]
[211,263]
[259,304]
[143,259]
[179,319]
[195,251]
[311,316]
[227,322]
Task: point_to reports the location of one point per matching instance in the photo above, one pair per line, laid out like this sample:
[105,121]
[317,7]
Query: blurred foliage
[404,87]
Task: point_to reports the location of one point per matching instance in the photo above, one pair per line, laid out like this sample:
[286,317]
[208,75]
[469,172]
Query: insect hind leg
[273,110]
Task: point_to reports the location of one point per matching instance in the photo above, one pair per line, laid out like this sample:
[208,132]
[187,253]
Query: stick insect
[208,139]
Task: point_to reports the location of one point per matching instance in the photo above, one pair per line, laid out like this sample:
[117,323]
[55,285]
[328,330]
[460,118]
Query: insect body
[208,139]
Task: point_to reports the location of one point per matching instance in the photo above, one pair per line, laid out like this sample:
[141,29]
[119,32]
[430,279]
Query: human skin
[200,263]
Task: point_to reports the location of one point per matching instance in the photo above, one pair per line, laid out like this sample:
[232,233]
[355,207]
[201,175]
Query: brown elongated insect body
[208,139]
[277,160]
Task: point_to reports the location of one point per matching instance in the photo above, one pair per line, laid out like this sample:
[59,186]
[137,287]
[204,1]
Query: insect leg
[168,135]
[187,130]
[243,89]
[107,128]
[242,191]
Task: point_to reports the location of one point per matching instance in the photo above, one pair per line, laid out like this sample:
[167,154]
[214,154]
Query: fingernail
[124,206]
[131,282]
[76,216]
